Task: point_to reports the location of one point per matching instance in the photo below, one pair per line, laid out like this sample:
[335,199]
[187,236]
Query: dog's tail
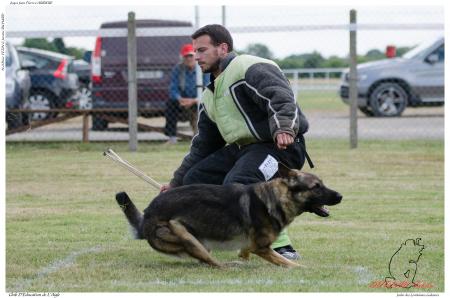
[133,215]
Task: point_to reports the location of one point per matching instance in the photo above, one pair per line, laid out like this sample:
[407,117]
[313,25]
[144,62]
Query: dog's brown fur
[193,219]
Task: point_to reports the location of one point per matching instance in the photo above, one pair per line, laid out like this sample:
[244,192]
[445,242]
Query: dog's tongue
[321,211]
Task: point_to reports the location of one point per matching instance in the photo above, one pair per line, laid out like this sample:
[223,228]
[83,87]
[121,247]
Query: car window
[8,58]
[418,50]
[40,62]
[440,52]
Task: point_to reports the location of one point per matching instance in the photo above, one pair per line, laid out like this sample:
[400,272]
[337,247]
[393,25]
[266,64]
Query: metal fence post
[353,80]
[132,82]
[197,17]
[296,85]
[198,70]
[224,16]
[85,127]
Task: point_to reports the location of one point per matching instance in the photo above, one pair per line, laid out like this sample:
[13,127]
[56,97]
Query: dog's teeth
[323,210]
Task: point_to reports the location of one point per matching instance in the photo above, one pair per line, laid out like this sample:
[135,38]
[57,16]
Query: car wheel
[14,120]
[99,123]
[85,97]
[25,119]
[40,100]
[388,100]
[366,111]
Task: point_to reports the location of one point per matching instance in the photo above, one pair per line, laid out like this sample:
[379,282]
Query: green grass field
[321,100]
[65,233]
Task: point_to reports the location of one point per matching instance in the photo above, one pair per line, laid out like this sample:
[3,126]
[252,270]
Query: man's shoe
[288,252]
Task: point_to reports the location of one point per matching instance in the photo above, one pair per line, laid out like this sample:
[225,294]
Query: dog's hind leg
[161,238]
[166,247]
[271,256]
[164,233]
[245,254]
[192,246]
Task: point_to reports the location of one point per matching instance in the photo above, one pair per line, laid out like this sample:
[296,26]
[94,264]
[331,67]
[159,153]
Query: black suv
[156,56]
[54,84]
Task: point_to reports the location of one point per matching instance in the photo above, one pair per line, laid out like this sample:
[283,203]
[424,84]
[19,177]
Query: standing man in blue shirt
[183,93]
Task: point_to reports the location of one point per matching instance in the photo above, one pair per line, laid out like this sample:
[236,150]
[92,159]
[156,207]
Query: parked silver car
[17,86]
[387,86]
[54,84]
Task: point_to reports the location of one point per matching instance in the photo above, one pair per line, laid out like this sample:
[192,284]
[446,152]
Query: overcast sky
[327,42]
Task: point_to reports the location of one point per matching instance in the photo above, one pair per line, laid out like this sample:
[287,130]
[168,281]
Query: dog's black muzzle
[330,198]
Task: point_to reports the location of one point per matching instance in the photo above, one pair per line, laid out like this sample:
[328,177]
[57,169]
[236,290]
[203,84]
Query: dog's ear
[285,171]
[291,177]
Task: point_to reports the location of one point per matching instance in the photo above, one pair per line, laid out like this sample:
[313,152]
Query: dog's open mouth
[320,210]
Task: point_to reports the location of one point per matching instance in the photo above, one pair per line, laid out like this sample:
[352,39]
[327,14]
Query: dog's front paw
[234,264]
[296,265]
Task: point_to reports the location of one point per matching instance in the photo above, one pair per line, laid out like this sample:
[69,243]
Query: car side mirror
[432,59]
[28,65]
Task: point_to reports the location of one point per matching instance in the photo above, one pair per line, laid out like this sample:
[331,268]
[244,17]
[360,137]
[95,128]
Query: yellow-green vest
[222,106]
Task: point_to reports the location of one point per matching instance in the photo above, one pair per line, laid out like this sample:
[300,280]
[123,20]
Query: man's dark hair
[218,34]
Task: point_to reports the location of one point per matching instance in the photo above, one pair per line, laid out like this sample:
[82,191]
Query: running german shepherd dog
[193,219]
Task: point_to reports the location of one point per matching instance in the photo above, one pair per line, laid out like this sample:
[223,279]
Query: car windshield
[417,50]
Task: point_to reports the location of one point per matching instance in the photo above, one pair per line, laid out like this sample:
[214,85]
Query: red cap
[187,49]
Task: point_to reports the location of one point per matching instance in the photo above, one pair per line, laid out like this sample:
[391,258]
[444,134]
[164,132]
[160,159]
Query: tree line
[55,45]
[315,59]
[306,60]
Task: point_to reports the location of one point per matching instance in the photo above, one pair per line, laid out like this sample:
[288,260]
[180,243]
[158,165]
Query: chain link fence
[68,75]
